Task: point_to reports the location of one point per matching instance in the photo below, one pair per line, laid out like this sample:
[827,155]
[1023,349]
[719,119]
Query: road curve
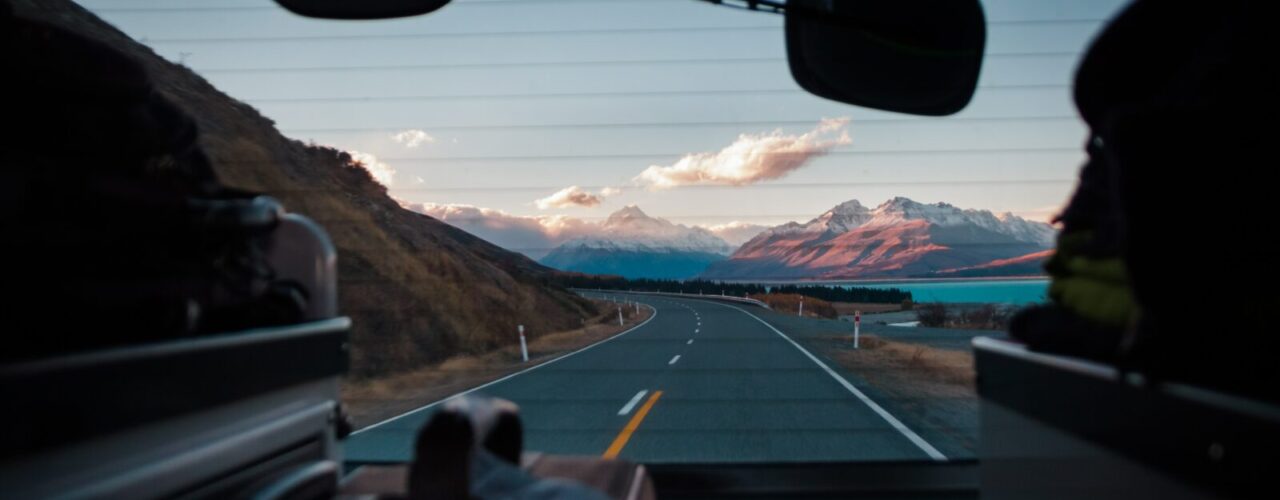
[701,381]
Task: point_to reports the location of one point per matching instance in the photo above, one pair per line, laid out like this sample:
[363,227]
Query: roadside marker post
[524,348]
[857,324]
[800,312]
[620,323]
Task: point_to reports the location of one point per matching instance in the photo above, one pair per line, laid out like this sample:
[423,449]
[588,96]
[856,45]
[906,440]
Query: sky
[508,105]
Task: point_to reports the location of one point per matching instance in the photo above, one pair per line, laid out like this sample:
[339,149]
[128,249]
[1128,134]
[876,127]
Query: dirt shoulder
[372,400]
[911,369]
[931,388]
[848,308]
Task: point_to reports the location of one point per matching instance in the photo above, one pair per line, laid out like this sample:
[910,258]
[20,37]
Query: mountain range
[898,238]
[632,244]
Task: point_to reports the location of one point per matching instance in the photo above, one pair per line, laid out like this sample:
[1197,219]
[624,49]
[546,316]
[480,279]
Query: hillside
[417,289]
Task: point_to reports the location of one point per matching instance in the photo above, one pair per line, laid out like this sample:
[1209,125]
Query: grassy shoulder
[932,388]
[965,316]
[818,308]
[371,400]
[848,308]
[790,303]
[907,368]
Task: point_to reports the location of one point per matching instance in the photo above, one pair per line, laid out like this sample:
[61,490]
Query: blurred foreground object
[472,449]
[1163,224]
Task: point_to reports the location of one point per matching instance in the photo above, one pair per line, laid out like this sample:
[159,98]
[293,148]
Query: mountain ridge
[898,238]
[632,244]
[631,227]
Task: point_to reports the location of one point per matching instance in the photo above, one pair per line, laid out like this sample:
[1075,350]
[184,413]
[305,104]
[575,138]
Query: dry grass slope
[419,290]
[790,302]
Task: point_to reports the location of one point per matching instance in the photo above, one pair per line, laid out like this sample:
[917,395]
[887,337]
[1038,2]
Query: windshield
[653,241]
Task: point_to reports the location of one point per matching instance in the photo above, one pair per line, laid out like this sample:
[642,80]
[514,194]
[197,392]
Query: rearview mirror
[361,9]
[910,56]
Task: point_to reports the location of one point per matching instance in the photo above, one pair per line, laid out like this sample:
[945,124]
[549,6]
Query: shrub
[824,292]
[987,316]
[933,314]
[790,302]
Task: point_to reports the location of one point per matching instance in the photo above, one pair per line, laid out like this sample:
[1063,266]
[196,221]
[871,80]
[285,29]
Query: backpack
[117,229]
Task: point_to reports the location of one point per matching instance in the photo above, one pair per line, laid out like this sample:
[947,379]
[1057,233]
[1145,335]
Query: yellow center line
[621,441]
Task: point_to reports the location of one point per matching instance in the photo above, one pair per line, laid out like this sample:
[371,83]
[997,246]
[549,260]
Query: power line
[467,34]
[732,123]
[780,185]
[525,64]
[789,185]
[590,95]
[490,3]
[698,30]
[543,64]
[1071,149]
[274,8]
[729,217]
[630,156]
[546,64]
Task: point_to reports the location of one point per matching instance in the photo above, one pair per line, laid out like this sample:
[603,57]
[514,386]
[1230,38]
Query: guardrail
[730,298]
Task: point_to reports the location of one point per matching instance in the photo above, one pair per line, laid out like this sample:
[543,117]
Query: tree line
[707,287]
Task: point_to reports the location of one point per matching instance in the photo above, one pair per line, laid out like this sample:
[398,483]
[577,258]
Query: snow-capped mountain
[737,232]
[630,243]
[839,219]
[900,237]
[631,229]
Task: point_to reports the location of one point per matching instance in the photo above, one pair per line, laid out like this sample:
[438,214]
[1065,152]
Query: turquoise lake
[993,291]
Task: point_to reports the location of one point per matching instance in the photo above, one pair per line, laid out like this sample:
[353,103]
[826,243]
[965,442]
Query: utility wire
[592,95]
[731,123]
[793,185]
[545,64]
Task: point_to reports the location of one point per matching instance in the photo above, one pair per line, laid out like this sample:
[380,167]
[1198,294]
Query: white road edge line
[893,421]
[513,375]
[632,404]
[673,360]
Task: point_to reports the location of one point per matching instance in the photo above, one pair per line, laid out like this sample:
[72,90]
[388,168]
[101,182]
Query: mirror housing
[361,9]
[920,57]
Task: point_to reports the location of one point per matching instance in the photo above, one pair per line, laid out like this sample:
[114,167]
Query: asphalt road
[701,381]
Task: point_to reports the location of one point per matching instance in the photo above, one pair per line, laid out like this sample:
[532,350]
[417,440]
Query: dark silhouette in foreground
[1179,99]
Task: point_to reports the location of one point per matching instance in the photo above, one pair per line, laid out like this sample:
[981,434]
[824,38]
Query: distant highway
[700,381]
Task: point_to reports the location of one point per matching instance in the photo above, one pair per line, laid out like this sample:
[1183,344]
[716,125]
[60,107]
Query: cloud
[533,236]
[413,138]
[574,196]
[749,159]
[381,172]
[736,233]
